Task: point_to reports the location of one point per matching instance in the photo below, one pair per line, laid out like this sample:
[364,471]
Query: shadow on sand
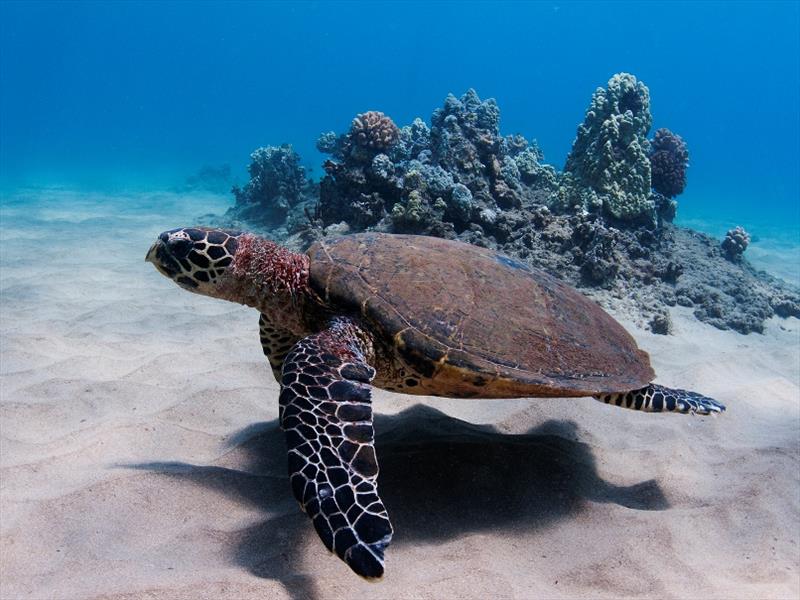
[440,478]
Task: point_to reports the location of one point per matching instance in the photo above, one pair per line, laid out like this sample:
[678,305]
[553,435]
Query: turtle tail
[657,398]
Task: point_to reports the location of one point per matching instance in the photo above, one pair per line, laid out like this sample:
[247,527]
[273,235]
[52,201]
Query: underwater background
[139,95]
[140,451]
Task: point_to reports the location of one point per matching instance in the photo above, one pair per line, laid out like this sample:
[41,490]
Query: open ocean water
[140,451]
[139,95]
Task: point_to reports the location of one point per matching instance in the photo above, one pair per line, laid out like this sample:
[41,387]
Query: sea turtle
[411,314]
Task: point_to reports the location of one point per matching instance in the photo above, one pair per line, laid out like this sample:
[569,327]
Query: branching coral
[609,160]
[429,179]
[277,181]
[278,195]
[414,139]
[669,159]
[328,143]
[465,134]
[532,172]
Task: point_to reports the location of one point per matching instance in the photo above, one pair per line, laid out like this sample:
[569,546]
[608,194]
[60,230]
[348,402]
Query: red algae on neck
[263,263]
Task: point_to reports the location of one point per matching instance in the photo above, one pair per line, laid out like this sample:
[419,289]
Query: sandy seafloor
[140,455]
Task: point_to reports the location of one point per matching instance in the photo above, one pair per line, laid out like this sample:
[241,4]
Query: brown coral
[735,243]
[669,159]
[374,130]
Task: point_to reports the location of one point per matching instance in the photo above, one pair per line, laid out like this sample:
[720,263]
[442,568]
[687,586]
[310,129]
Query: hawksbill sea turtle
[410,314]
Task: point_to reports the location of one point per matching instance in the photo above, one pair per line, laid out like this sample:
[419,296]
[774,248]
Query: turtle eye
[179,247]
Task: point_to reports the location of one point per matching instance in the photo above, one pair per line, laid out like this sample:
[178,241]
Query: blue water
[141,94]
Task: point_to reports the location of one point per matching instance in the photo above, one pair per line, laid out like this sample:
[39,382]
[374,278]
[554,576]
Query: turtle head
[196,258]
[227,264]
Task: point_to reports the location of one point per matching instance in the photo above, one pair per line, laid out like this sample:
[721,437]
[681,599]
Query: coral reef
[666,208]
[360,183]
[439,180]
[276,178]
[278,193]
[598,225]
[735,243]
[608,163]
[669,159]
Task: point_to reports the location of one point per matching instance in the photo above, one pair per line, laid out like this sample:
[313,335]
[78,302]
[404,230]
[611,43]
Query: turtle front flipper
[326,413]
[276,343]
[657,398]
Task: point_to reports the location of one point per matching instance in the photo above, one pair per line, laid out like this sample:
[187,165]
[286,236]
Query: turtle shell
[473,322]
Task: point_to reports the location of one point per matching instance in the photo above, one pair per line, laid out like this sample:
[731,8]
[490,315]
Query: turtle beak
[151,254]
[162,259]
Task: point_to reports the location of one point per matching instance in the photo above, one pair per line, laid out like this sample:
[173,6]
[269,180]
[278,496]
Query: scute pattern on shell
[470,322]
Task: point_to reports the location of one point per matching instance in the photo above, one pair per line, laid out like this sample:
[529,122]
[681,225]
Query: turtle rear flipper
[657,398]
[326,414]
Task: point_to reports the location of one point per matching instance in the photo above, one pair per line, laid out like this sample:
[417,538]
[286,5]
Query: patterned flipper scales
[657,398]
[326,414]
[276,343]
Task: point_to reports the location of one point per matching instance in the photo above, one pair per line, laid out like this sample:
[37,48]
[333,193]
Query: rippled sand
[140,454]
